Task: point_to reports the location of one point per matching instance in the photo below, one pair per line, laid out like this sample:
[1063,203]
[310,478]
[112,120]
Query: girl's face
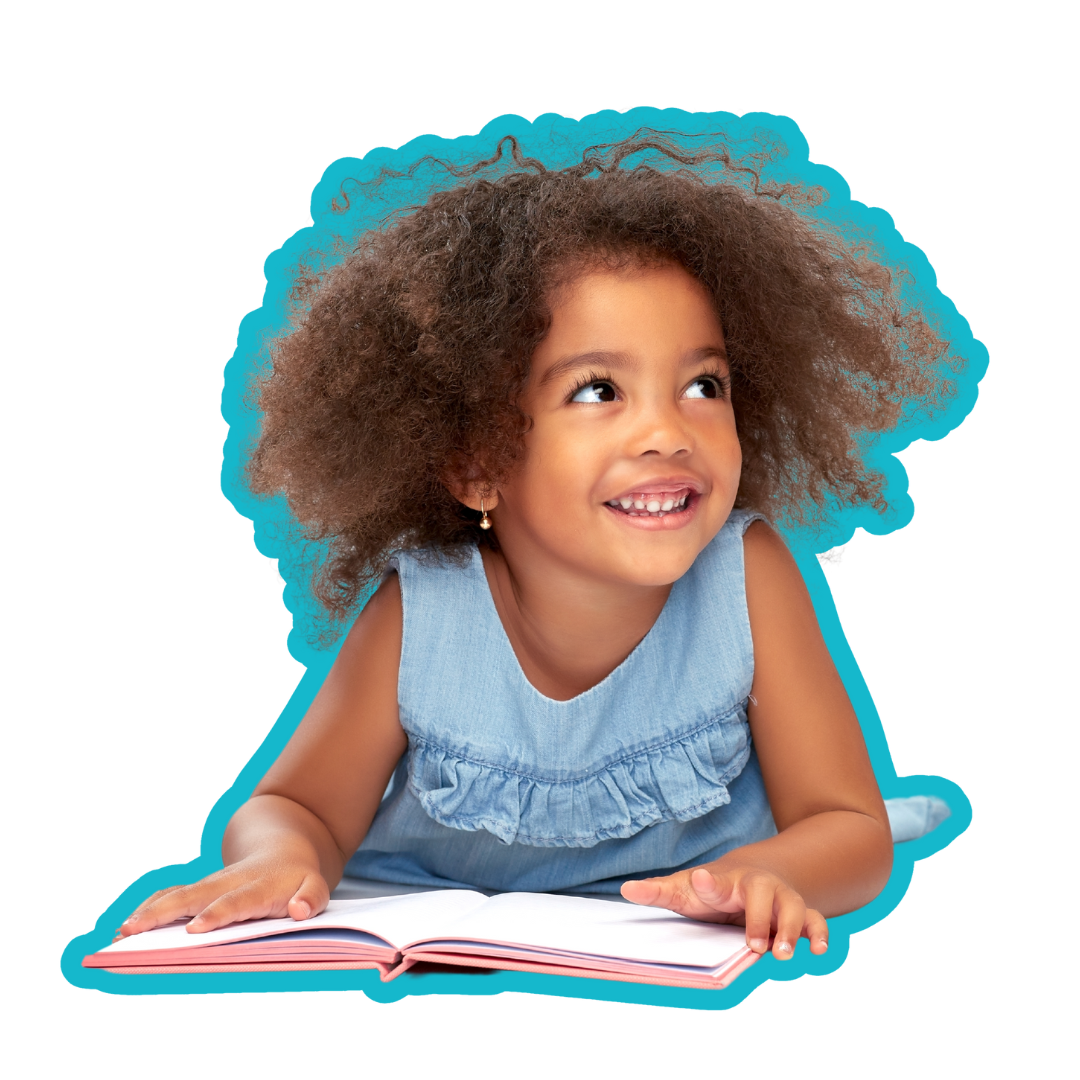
[632,462]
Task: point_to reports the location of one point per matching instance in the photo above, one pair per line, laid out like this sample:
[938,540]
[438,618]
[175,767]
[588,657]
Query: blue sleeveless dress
[502,788]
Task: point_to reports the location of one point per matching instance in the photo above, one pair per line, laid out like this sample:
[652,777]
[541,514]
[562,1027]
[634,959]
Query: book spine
[392,971]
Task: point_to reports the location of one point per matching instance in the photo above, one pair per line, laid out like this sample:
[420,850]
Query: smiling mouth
[655,504]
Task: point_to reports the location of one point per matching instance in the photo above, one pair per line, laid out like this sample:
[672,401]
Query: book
[565,935]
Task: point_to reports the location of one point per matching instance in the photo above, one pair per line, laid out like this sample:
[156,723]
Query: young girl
[553,414]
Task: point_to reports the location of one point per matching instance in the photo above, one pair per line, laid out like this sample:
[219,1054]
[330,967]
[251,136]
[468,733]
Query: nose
[660,428]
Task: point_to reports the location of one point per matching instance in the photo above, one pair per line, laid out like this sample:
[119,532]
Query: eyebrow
[621,360]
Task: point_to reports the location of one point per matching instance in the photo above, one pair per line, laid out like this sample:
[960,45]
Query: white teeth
[647,506]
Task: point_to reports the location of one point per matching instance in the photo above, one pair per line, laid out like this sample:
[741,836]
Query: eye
[594,392]
[705,386]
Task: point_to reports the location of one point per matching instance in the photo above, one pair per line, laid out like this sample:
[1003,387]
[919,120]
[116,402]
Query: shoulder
[782,619]
[361,687]
[777,599]
[375,636]
[759,531]
[362,681]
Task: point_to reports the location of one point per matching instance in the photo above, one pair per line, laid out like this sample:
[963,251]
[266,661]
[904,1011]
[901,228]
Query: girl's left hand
[758,899]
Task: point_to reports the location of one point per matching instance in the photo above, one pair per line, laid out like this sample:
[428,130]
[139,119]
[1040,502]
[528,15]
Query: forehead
[596,297]
[658,313]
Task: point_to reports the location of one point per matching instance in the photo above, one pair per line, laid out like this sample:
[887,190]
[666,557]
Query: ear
[468,486]
[470,495]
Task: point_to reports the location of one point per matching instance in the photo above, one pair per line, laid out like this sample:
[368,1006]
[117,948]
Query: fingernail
[783,949]
[758,944]
[822,943]
[130,919]
[303,909]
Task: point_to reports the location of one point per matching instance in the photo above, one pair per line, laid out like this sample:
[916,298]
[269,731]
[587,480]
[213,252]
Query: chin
[653,573]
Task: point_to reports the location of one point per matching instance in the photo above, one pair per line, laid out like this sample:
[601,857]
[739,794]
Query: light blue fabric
[915,816]
[502,788]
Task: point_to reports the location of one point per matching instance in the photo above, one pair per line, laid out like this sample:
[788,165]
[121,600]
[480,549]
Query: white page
[600,928]
[395,919]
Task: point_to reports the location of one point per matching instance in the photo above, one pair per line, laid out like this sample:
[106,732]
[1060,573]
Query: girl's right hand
[258,887]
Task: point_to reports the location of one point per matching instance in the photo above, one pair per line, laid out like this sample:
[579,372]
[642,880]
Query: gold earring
[485,521]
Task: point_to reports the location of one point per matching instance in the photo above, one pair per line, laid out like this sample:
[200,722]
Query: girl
[553,414]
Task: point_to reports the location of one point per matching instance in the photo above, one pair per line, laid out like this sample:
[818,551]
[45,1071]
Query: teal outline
[784,156]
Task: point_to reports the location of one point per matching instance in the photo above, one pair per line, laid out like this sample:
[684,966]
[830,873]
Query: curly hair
[409,363]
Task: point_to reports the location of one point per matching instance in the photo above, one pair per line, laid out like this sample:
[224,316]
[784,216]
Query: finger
[238,906]
[166,906]
[256,901]
[716,891]
[758,897]
[311,898]
[263,899]
[649,892]
[817,930]
[670,892]
[790,916]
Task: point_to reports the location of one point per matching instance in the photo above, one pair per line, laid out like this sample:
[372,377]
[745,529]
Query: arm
[286,847]
[833,850]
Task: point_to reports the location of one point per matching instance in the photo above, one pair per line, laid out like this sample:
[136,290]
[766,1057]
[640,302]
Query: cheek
[730,439]
[560,461]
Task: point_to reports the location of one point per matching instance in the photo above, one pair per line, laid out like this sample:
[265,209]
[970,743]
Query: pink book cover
[617,972]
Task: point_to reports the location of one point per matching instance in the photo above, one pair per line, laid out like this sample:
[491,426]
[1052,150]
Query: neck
[568,633]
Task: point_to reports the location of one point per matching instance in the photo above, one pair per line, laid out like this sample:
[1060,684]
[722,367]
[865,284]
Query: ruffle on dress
[678,780]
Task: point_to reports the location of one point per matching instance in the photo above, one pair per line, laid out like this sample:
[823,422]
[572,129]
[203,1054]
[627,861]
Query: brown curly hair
[407,367]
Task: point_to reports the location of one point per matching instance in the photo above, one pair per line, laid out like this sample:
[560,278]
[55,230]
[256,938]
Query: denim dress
[502,788]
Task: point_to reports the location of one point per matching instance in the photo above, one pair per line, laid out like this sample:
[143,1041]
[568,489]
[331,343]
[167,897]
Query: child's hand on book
[259,887]
[760,900]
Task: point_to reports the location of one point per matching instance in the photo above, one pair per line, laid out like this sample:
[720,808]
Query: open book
[565,935]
